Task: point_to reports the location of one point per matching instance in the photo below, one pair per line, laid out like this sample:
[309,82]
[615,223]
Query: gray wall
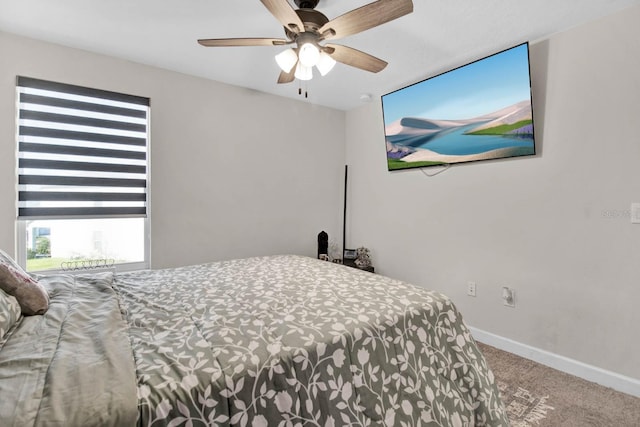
[555,227]
[234,172]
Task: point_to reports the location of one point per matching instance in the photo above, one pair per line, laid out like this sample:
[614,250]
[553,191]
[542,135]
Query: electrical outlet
[508,296]
[635,213]
[471,289]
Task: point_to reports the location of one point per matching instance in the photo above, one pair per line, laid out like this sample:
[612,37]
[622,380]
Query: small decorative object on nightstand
[363,259]
[349,254]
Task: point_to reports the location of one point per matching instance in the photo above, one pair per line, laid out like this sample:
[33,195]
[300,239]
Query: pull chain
[306,93]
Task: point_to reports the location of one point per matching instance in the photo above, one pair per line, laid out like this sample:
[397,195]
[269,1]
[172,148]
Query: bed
[263,341]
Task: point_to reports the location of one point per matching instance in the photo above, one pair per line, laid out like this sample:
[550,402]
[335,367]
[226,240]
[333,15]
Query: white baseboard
[579,369]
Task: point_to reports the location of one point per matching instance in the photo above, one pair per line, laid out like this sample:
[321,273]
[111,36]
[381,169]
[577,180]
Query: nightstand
[352,263]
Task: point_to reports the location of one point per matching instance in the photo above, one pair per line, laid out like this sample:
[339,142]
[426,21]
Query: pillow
[31,295]
[9,313]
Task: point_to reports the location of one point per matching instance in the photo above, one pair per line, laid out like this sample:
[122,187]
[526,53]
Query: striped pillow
[10,313]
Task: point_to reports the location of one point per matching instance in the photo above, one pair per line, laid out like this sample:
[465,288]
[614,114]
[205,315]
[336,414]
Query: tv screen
[479,111]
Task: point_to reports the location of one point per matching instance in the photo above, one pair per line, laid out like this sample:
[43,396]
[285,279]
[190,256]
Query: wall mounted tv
[479,111]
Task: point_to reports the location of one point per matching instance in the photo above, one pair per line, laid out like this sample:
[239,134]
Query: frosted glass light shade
[325,63]
[303,73]
[287,59]
[309,55]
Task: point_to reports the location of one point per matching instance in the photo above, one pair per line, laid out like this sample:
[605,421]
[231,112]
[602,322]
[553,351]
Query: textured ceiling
[437,36]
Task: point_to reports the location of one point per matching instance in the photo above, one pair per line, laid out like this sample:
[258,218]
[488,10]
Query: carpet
[538,396]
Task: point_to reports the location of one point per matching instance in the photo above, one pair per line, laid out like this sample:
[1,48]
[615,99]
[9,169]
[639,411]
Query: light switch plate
[635,213]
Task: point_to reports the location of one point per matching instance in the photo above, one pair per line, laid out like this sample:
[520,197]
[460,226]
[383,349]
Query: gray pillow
[31,295]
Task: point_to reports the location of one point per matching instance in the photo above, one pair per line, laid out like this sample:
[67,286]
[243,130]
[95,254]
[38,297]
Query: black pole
[344,213]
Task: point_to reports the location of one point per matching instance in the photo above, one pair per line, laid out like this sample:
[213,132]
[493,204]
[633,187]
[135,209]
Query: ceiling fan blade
[284,13]
[355,58]
[366,17]
[287,77]
[242,42]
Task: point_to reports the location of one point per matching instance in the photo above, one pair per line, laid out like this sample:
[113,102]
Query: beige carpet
[536,395]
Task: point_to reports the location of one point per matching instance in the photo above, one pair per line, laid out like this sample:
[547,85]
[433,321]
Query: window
[82,177]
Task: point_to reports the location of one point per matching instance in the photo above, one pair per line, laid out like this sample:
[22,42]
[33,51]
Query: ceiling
[437,36]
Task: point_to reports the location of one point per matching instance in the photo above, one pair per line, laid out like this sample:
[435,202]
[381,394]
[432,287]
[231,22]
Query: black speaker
[323,243]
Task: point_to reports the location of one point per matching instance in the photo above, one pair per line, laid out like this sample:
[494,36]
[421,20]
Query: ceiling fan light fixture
[325,63]
[287,60]
[309,54]
[303,72]
[307,29]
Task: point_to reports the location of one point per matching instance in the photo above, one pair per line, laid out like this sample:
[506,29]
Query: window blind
[82,152]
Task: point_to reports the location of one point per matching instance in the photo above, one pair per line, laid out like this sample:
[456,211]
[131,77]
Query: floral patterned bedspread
[293,341]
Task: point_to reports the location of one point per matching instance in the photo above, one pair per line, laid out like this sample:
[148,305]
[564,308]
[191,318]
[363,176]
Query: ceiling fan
[306,28]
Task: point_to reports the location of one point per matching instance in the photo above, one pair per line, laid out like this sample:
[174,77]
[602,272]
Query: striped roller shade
[81,152]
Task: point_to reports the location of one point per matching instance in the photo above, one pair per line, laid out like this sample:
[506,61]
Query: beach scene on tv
[480,111]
